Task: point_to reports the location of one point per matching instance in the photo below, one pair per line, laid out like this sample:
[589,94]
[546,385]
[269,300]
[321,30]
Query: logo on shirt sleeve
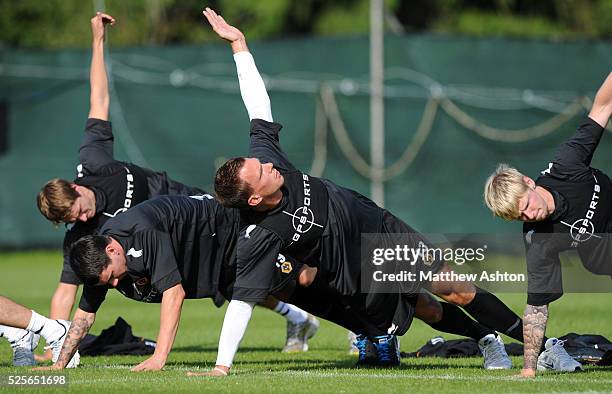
[528,236]
[249,230]
[285,266]
[79,171]
[134,253]
[547,171]
[201,197]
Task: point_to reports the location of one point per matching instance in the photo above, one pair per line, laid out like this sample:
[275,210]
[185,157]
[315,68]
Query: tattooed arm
[81,323]
[534,327]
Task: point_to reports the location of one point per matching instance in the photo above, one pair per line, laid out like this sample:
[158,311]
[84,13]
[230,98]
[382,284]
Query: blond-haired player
[569,206]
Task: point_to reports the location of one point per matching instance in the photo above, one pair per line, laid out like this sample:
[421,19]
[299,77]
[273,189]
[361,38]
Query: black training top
[582,218]
[170,240]
[116,185]
[317,222]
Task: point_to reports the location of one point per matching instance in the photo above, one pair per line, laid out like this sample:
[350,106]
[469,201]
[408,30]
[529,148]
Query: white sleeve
[252,87]
[235,324]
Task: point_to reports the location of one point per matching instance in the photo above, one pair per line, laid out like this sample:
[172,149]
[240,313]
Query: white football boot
[23,348]
[56,341]
[494,353]
[555,358]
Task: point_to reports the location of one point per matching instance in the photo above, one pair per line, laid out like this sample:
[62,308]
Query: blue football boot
[367,351]
[387,350]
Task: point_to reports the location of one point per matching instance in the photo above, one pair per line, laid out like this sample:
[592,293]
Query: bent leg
[300,325]
[442,316]
[13,314]
[483,306]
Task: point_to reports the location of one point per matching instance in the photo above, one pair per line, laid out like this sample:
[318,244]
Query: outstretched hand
[153,363]
[98,23]
[221,27]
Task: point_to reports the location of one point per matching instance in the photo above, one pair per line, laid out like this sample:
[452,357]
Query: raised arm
[252,87]
[99,97]
[96,150]
[170,315]
[573,157]
[602,106]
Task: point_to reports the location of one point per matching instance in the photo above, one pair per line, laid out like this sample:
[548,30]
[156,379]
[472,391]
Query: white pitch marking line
[439,377]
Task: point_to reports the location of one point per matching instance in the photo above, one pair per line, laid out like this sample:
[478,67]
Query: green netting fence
[455,107]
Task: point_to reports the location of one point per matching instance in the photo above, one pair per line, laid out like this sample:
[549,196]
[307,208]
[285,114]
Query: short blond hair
[503,190]
[55,200]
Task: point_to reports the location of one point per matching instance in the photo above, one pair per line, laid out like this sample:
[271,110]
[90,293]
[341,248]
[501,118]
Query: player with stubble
[568,207]
[314,220]
[172,248]
[105,187]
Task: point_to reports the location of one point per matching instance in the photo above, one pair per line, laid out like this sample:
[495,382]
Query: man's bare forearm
[239,45]
[99,99]
[602,106]
[172,303]
[80,326]
[534,327]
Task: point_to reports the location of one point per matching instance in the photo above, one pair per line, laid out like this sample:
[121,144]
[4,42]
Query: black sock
[455,321]
[493,313]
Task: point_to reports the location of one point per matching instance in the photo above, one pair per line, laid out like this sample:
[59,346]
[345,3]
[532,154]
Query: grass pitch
[30,278]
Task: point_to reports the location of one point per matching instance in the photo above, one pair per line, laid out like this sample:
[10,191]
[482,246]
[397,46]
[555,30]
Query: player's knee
[428,309]
[435,313]
[459,298]
[307,275]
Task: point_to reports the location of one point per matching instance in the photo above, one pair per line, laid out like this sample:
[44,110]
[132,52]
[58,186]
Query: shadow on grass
[288,364]
[351,365]
[213,349]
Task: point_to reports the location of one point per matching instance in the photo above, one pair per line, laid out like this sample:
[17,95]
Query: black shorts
[372,314]
[395,232]
[322,303]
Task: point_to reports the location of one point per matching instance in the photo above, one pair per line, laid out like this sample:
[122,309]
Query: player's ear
[77,188]
[254,200]
[529,182]
[111,250]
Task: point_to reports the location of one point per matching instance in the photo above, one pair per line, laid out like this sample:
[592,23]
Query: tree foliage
[65,23]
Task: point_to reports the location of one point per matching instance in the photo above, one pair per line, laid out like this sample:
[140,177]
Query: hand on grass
[153,363]
[526,374]
[46,356]
[47,368]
